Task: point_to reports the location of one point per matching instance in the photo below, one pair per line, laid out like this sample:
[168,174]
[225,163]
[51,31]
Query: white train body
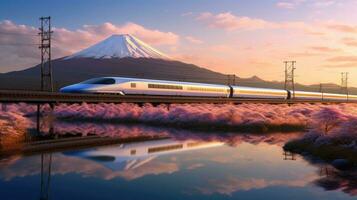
[259,93]
[131,86]
[302,95]
[136,86]
[333,97]
[352,97]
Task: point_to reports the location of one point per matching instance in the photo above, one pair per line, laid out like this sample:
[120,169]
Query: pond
[170,164]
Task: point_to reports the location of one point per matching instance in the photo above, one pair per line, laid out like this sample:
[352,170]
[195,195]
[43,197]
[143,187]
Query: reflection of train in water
[135,86]
[133,155]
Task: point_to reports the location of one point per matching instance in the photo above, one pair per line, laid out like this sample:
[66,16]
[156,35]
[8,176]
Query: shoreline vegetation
[332,137]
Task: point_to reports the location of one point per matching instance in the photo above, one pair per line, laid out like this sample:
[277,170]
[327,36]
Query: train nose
[77,88]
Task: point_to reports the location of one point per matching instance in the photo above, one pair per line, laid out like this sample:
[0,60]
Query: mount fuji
[120,46]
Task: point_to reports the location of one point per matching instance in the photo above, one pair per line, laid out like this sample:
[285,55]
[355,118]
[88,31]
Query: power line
[19,44]
[13,33]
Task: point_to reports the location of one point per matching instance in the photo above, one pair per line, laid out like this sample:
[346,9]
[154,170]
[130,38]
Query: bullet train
[136,86]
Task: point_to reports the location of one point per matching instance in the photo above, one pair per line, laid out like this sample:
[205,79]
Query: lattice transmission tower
[289,84]
[45,47]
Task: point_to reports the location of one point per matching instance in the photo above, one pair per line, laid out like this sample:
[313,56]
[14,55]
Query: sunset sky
[242,37]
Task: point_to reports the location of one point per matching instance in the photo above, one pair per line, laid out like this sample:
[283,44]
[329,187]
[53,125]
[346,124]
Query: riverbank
[332,136]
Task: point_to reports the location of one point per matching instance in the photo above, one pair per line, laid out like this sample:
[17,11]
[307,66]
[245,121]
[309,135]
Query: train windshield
[103,81]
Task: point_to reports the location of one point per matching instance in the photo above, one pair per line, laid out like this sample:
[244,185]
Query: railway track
[17,96]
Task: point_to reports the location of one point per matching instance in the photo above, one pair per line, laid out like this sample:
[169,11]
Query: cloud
[343,59]
[19,43]
[324,49]
[230,185]
[228,21]
[289,4]
[193,40]
[292,4]
[323,3]
[286,5]
[342,28]
[62,165]
[186,14]
[151,36]
[349,41]
[341,65]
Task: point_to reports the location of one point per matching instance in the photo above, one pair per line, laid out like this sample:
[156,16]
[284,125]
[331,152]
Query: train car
[135,86]
[259,93]
[334,97]
[352,97]
[303,95]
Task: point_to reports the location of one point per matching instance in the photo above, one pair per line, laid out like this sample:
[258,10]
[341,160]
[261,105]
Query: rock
[342,164]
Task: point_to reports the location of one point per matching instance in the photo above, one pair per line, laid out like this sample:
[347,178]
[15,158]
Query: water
[175,164]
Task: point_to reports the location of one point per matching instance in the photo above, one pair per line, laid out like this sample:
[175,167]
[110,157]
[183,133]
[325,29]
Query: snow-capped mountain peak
[119,46]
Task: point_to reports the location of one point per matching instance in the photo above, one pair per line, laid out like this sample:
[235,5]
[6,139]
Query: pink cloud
[324,49]
[292,4]
[342,28]
[349,41]
[343,59]
[228,21]
[193,40]
[286,5]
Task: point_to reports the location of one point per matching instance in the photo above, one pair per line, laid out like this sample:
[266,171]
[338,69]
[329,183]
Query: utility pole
[321,91]
[289,84]
[231,79]
[46,168]
[45,47]
[344,82]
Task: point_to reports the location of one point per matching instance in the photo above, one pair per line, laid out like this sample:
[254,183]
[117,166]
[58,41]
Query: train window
[206,89]
[161,86]
[165,148]
[133,85]
[104,81]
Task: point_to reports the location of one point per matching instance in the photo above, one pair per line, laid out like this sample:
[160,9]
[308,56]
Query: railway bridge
[40,97]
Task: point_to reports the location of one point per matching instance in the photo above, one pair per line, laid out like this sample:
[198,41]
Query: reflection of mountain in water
[134,155]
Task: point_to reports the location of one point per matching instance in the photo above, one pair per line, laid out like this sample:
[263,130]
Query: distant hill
[125,55]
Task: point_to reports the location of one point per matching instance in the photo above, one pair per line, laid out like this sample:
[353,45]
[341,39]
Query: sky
[242,37]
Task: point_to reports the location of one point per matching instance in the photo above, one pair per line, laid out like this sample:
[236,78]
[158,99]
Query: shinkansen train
[136,86]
